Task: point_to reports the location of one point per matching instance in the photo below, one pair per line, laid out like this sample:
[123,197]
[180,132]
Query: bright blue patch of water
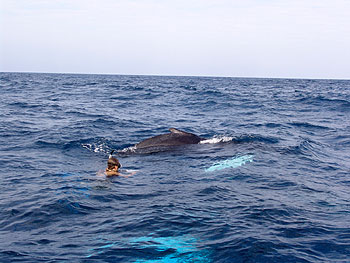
[180,249]
[230,163]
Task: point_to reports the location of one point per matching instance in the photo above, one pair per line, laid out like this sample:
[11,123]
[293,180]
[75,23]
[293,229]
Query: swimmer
[113,166]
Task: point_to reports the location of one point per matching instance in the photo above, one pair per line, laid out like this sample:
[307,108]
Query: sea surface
[270,182]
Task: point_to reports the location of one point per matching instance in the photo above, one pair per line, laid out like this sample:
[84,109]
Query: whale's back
[174,138]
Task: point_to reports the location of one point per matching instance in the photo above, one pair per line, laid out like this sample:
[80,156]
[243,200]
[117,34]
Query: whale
[174,138]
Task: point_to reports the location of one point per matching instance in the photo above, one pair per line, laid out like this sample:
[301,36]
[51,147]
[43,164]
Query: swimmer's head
[112,162]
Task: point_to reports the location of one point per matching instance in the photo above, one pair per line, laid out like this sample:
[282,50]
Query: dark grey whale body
[174,138]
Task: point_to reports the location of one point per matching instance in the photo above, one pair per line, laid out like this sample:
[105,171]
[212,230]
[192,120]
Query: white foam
[94,147]
[129,149]
[217,139]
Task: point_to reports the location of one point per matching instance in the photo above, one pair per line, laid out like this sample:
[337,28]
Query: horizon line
[172,75]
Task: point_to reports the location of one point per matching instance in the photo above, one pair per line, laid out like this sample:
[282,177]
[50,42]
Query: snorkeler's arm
[110,173]
[127,175]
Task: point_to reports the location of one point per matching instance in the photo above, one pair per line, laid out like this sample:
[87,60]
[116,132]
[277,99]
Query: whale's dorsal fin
[173,130]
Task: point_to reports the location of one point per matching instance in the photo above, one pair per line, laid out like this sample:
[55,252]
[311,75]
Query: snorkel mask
[114,161]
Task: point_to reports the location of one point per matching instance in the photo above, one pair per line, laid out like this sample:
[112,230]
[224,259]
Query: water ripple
[290,204]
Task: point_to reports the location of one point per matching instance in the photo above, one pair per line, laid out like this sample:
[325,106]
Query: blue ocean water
[288,202]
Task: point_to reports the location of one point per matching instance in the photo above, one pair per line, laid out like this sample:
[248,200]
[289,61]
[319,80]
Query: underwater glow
[181,249]
[230,163]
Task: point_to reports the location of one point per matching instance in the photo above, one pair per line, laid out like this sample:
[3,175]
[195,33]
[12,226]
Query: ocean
[270,182]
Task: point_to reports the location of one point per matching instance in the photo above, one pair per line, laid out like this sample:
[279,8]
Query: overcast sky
[237,38]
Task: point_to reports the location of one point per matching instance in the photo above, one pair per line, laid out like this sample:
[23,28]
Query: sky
[232,38]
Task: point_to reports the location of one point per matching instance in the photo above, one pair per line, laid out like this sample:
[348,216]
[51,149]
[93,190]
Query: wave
[82,114]
[308,125]
[305,148]
[339,102]
[24,104]
[331,103]
[44,215]
[95,145]
[251,138]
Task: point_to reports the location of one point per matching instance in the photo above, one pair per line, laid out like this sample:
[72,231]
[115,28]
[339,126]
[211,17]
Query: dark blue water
[290,203]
